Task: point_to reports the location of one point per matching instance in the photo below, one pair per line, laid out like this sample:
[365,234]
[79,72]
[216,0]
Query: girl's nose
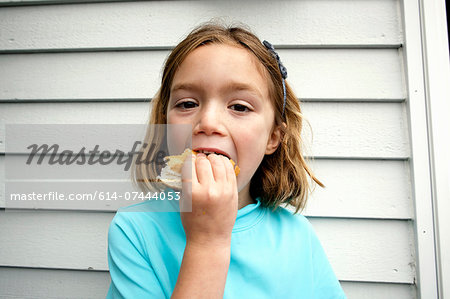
[209,121]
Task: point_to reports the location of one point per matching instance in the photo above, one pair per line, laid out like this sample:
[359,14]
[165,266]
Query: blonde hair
[282,177]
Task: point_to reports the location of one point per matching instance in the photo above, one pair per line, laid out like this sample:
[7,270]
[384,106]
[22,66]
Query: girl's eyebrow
[185,86]
[239,86]
[230,86]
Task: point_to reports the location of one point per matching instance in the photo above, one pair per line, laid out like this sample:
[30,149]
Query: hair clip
[282,68]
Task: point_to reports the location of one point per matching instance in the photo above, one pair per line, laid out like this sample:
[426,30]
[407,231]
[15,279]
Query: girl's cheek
[179,136]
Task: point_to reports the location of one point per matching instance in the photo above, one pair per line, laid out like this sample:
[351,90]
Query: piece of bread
[171,173]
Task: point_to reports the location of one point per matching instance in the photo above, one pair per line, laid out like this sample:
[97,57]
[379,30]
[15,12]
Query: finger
[226,163]
[203,169]
[231,175]
[218,167]
[188,177]
[188,173]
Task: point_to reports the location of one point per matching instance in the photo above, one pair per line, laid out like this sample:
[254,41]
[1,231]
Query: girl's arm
[203,271]
[214,198]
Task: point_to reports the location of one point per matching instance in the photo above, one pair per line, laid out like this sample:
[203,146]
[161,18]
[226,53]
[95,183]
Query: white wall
[100,62]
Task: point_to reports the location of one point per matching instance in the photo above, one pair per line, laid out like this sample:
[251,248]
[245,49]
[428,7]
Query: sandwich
[171,172]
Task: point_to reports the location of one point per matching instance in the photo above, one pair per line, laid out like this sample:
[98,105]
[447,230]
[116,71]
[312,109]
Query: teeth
[208,152]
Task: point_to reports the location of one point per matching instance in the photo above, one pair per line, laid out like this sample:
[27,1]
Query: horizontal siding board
[28,282]
[314,74]
[2,181]
[377,189]
[68,240]
[6,3]
[361,290]
[382,249]
[46,283]
[356,130]
[345,73]
[360,250]
[344,130]
[163,23]
[361,188]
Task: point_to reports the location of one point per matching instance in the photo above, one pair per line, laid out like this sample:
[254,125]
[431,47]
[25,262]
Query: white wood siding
[163,23]
[21,282]
[100,63]
[322,74]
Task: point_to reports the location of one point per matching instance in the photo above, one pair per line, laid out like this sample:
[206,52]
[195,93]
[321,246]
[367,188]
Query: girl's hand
[213,191]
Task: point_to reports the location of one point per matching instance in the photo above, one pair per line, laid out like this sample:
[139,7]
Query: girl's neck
[244,197]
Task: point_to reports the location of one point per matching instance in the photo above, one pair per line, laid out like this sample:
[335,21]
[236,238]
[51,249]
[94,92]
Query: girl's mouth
[216,151]
[212,151]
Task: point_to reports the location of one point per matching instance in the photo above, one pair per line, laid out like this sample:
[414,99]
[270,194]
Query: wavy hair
[282,177]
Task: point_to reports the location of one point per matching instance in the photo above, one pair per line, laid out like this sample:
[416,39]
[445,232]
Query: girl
[238,241]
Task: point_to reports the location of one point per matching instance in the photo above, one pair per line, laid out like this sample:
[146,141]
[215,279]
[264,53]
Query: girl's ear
[274,139]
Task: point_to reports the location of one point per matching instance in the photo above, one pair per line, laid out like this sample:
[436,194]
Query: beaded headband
[283,70]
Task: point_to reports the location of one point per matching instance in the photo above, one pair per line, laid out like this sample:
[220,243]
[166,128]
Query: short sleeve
[326,284]
[132,275]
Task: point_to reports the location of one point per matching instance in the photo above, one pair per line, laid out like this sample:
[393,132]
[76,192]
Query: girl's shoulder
[286,217]
[144,216]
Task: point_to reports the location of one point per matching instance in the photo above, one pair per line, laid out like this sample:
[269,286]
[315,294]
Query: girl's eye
[186,105]
[240,108]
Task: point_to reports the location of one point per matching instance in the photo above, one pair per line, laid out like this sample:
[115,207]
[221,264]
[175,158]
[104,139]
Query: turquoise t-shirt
[273,255]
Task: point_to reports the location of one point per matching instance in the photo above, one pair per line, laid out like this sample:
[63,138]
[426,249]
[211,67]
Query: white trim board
[426,279]
[427,75]
[437,88]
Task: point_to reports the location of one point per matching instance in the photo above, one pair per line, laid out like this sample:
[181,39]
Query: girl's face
[221,91]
